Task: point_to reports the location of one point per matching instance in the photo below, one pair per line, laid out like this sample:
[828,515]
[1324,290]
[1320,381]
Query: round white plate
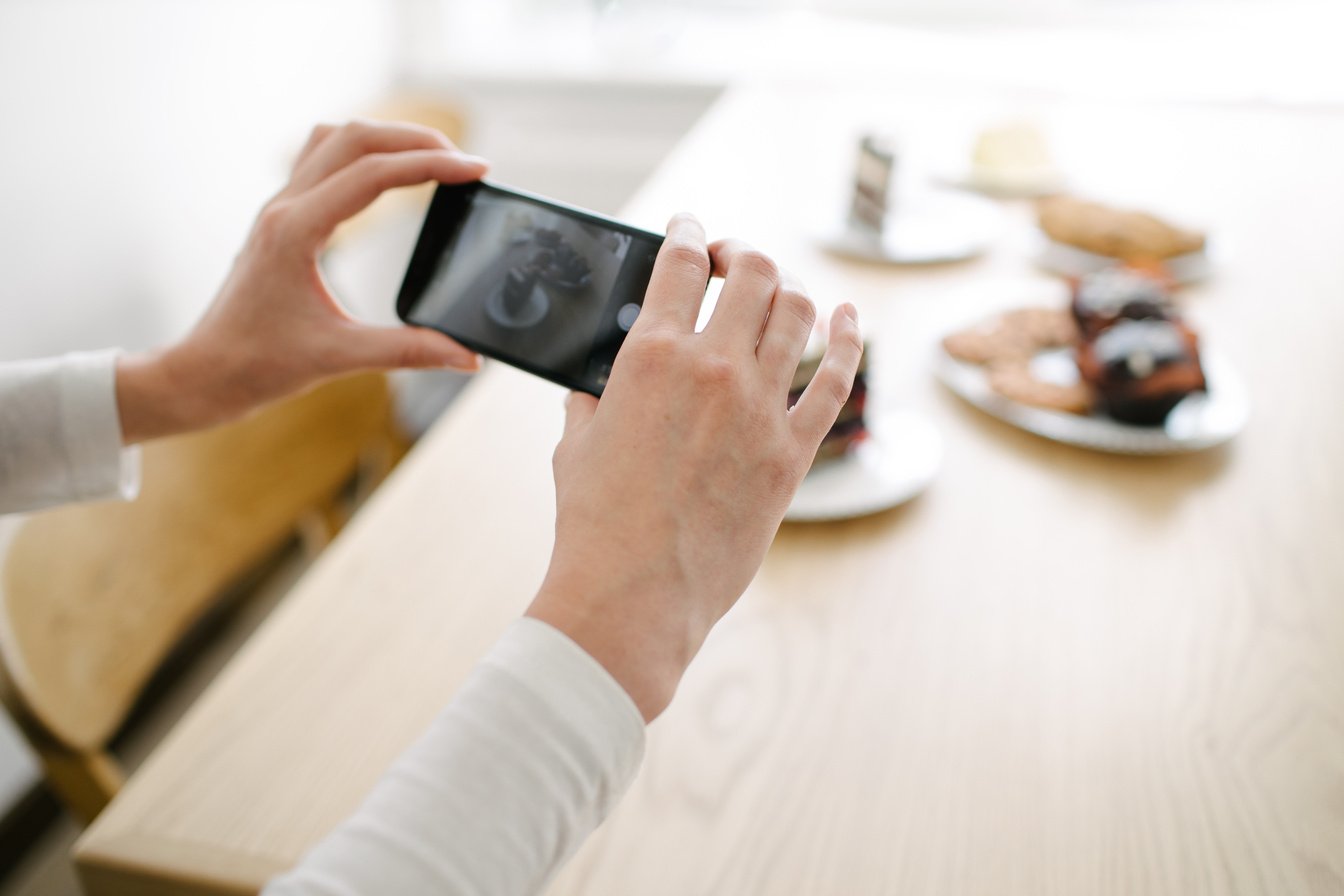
[528,316]
[929,227]
[1070,261]
[1202,420]
[897,460]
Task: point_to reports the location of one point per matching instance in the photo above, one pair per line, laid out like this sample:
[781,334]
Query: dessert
[1131,236]
[1136,359]
[1016,381]
[1014,336]
[1118,293]
[1141,369]
[1012,158]
[850,426]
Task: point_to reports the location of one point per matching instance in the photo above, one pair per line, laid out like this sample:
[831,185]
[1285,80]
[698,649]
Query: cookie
[1118,233]
[1013,336]
[1016,382]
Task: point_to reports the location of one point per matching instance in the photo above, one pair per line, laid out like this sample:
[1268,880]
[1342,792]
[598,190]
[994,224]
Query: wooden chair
[94,598]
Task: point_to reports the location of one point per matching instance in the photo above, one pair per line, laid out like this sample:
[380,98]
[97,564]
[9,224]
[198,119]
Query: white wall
[139,138]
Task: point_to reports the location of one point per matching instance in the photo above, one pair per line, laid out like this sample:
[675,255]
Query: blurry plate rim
[1203,420]
[1071,261]
[895,463]
[1025,185]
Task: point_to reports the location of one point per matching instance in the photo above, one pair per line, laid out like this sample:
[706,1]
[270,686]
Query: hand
[670,490]
[275,328]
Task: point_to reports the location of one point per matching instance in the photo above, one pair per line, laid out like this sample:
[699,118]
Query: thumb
[387,348]
[579,410]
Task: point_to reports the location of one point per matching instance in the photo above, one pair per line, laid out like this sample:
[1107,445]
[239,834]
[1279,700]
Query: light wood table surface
[1055,672]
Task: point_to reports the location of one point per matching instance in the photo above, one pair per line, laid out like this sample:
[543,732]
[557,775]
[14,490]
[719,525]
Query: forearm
[527,760]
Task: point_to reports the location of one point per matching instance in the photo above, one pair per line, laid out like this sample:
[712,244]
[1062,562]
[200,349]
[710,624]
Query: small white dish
[897,460]
[1070,261]
[1202,420]
[1024,184]
[929,227]
[533,310]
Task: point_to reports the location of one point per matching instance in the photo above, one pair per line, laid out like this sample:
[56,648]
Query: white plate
[1070,261]
[897,460]
[1202,420]
[1008,185]
[927,227]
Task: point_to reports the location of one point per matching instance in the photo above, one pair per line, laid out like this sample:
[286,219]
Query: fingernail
[465,363]
[471,159]
[850,312]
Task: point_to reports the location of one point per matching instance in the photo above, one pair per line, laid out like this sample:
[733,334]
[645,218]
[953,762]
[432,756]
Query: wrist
[647,659]
[160,393]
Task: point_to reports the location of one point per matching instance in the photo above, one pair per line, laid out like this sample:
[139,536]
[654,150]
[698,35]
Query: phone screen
[536,284]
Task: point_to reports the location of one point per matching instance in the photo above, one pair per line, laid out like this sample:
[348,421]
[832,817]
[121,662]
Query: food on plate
[1141,369]
[1016,381]
[1135,358]
[1012,154]
[1013,336]
[1124,234]
[850,427]
[1118,293]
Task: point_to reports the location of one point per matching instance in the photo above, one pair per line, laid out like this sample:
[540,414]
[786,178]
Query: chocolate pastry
[850,426]
[1118,293]
[1141,369]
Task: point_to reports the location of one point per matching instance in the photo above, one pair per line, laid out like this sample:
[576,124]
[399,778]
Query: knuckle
[655,344]
[688,255]
[358,132]
[714,372]
[321,131]
[837,383]
[796,303]
[273,222]
[756,262]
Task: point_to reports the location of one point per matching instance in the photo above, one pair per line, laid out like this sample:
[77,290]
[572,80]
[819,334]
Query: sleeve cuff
[100,466]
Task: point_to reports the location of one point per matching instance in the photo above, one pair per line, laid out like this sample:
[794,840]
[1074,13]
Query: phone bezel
[444,218]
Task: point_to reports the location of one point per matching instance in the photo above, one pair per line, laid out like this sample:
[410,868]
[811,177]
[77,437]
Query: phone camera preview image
[542,287]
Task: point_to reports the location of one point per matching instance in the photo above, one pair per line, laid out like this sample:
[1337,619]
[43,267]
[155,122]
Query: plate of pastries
[1119,370]
[1082,237]
[872,459]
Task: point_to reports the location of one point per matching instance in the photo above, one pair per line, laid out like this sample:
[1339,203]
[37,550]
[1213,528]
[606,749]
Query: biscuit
[1015,381]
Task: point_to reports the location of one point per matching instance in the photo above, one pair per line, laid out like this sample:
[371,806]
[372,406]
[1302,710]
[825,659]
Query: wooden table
[1054,672]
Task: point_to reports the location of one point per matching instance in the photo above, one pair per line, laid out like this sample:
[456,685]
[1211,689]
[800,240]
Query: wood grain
[1056,672]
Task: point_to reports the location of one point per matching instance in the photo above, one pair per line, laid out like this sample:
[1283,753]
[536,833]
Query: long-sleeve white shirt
[528,758]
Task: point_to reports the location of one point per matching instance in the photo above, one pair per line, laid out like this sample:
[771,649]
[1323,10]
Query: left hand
[275,328]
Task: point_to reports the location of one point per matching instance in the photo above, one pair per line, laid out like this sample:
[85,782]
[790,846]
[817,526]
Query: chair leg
[84,782]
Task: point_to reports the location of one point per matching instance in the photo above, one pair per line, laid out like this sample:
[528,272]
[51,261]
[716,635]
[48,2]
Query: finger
[389,348]
[354,139]
[820,404]
[750,278]
[787,330]
[579,410]
[680,274]
[316,213]
[318,134]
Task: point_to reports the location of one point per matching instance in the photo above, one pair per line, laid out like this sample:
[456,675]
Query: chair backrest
[93,598]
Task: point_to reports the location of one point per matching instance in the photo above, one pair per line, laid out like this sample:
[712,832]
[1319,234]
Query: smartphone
[535,283]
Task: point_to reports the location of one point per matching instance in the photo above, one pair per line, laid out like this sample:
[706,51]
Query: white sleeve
[529,757]
[60,433]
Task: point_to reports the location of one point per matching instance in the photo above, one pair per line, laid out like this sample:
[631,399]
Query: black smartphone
[535,283]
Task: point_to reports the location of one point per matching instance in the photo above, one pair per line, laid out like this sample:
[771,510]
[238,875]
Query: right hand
[670,490]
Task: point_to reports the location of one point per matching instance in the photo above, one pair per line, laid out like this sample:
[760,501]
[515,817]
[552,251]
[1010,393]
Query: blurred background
[141,136]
